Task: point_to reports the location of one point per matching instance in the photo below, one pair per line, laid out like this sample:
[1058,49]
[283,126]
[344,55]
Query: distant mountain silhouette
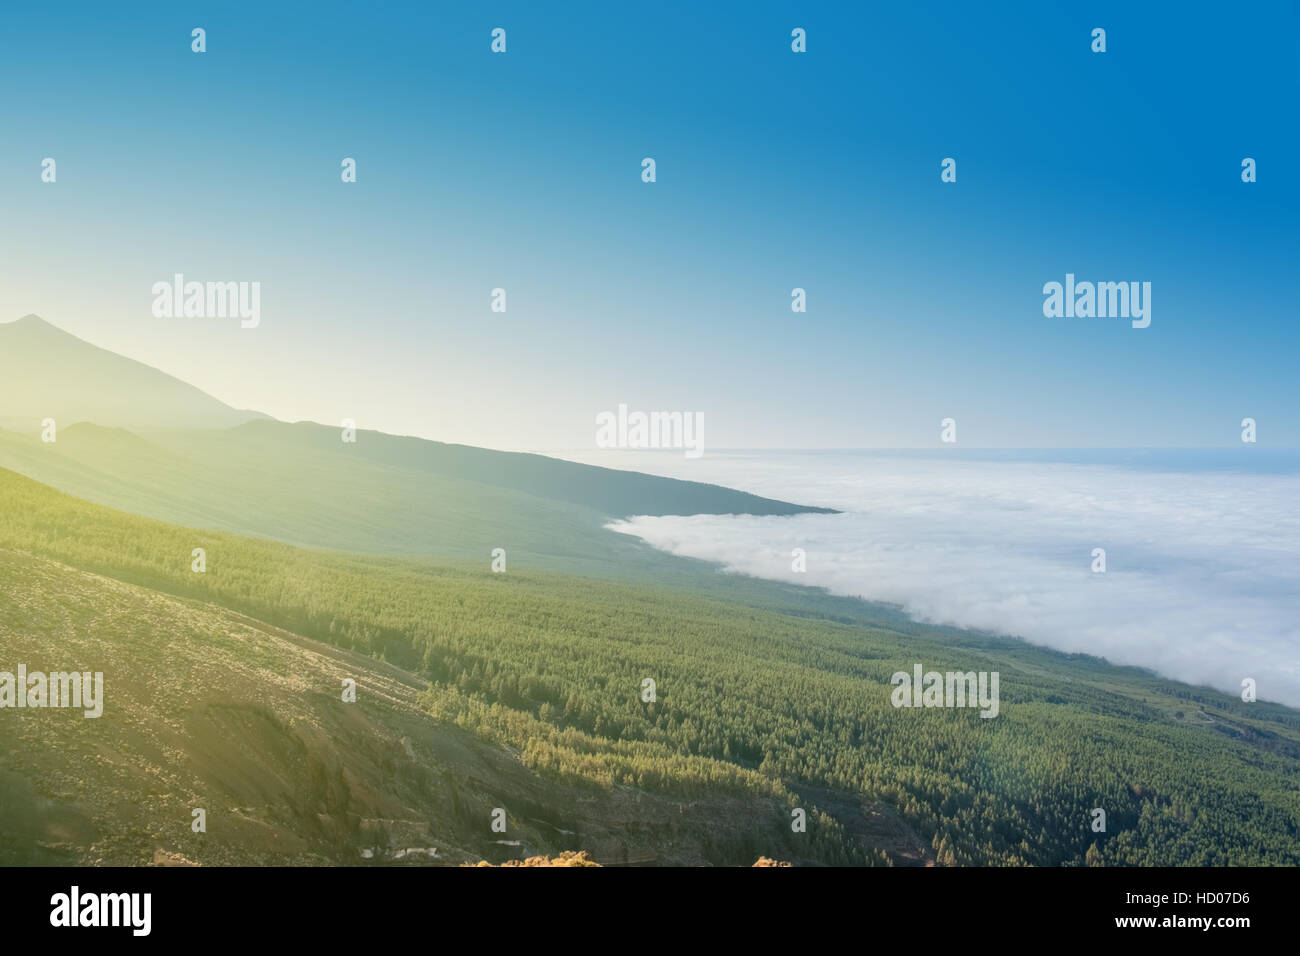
[134,438]
[48,373]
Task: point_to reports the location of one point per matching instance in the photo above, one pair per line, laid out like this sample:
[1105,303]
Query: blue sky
[775,170]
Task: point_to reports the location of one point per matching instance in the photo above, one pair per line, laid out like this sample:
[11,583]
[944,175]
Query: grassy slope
[755,705]
[301,484]
[208,708]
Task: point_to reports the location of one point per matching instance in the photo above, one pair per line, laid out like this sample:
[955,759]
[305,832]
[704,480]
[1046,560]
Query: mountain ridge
[166,450]
[47,372]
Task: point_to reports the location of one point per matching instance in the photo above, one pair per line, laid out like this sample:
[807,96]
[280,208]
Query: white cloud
[1203,568]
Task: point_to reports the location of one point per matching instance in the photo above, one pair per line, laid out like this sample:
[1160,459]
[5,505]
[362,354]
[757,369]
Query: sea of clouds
[1203,562]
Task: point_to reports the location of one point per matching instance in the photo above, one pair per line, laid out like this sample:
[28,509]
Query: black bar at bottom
[377,906]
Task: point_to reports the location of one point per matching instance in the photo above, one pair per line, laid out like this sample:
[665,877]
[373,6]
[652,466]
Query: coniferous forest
[783,710]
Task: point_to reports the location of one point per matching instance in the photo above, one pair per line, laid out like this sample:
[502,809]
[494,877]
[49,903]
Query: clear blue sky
[775,170]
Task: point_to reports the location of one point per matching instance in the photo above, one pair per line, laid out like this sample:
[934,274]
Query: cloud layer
[1203,568]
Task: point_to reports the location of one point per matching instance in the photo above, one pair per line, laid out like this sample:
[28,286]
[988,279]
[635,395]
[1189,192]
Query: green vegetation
[192,460]
[382,495]
[206,708]
[756,706]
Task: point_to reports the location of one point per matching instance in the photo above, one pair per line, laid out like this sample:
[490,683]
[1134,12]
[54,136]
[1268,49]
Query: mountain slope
[756,712]
[48,373]
[302,484]
[609,491]
[294,484]
[206,708]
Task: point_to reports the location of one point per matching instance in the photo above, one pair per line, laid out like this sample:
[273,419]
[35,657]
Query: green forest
[789,706]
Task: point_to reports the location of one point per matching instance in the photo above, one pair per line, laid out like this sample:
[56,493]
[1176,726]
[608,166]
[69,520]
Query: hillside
[48,373]
[302,485]
[135,439]
[757,711]
[207,708]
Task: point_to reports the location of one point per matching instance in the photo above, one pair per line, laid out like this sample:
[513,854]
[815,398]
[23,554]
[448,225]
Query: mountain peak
[33,323]
[47,372]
